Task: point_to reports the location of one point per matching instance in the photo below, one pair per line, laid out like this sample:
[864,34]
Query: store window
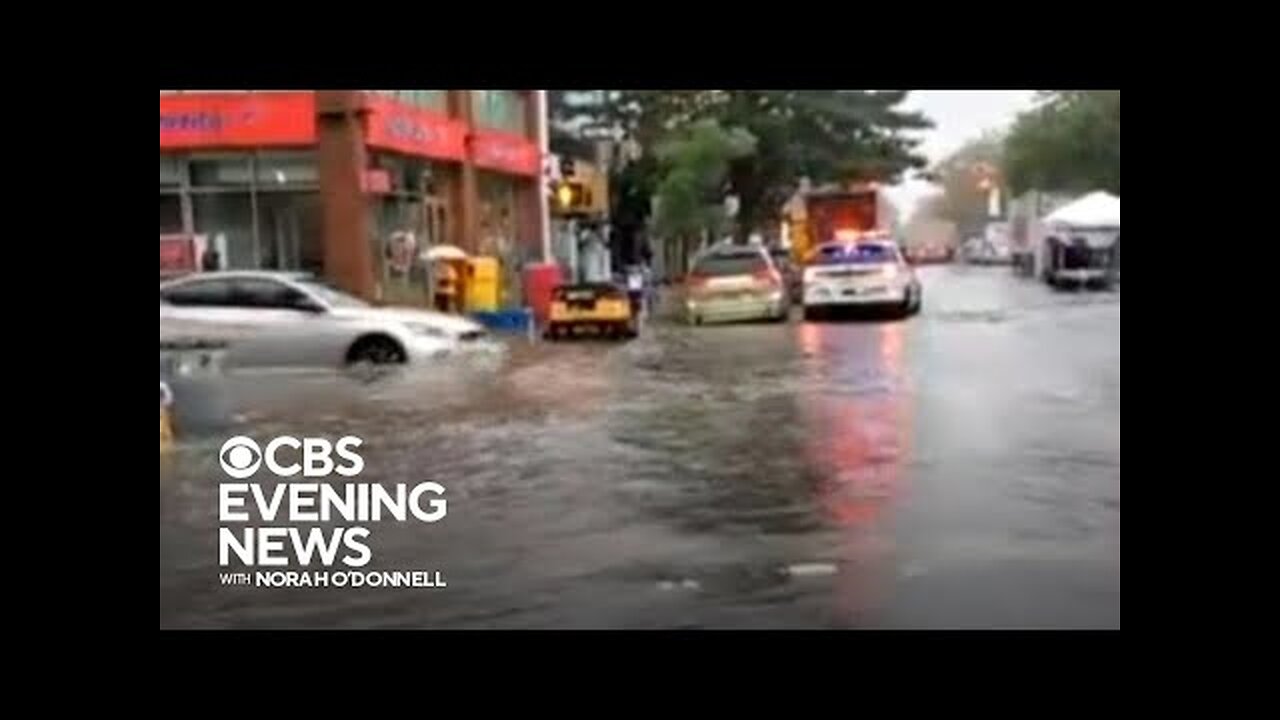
[170,214]
[227,218]
[170,175]
[215,170]
[429,99]
[277,169]
[500,110]
[290,231]
[260,210]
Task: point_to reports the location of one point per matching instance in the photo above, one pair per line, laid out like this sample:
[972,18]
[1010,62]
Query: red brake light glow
[767,275]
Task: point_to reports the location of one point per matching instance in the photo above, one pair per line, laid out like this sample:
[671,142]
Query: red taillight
[696,280]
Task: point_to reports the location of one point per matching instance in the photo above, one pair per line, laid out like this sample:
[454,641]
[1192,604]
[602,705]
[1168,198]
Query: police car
[859,271]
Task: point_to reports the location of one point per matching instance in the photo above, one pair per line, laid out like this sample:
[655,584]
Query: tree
[963,200]
[828,136]
[1069,142]
[695,164]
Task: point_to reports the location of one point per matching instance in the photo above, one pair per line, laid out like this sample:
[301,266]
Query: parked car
[279,319]
[735,282]
[928,254]
[981,251]
[860,275]
[600,309]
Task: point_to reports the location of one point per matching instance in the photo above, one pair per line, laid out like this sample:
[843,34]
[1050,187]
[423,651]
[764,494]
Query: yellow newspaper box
[483,284]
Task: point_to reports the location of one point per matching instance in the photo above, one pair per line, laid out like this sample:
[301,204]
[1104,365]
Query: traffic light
[572,196]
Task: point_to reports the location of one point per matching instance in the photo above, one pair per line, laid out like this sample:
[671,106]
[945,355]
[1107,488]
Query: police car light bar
[848,235]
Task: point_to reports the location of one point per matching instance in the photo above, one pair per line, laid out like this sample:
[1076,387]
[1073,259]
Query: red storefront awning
[396,126]
[222,120]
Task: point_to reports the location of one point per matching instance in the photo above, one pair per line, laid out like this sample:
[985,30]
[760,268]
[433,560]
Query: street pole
[544,149]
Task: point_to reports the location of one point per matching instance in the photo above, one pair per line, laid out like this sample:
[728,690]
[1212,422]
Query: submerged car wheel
[376,350]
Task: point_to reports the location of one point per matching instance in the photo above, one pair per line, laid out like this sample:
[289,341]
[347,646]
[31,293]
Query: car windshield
[864,254]
[332,296]
[735,264]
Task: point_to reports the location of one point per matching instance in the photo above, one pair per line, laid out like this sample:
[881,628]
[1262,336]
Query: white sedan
[857,275]
[277,319]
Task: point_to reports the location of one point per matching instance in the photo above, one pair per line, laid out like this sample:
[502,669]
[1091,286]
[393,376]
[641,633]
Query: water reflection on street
[958,469]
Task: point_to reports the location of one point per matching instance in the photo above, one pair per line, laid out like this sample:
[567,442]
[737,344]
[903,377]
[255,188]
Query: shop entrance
[288,238]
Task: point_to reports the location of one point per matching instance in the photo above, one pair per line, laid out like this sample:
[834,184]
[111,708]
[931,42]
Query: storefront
[507,188]
[414,153]
[258,209]
[354,185]
[238,168]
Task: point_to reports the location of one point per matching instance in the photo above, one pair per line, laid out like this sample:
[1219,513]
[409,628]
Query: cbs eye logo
[240,457]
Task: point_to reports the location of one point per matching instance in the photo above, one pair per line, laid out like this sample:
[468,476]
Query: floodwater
[960,469]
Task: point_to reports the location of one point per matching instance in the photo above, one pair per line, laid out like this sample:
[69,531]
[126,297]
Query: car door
[292,329]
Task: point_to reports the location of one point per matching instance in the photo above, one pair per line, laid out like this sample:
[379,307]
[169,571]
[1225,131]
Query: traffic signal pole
[544,148]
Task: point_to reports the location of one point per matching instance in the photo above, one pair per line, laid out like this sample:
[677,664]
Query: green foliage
[1069,142]
[827,135]
[694,164]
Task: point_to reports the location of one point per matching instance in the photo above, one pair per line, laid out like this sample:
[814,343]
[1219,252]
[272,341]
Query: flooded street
[959,469]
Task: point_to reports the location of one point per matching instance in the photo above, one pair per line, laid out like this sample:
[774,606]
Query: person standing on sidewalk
[650,290]
[636,290]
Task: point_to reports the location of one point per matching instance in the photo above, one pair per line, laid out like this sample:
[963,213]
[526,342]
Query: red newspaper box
[540,280]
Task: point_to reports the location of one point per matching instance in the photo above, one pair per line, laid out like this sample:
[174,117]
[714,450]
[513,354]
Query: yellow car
[591,308]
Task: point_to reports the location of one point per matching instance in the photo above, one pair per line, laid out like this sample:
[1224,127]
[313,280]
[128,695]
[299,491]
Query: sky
[958,116]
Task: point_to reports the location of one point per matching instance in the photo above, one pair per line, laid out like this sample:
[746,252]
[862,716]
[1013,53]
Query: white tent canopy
[1095,210]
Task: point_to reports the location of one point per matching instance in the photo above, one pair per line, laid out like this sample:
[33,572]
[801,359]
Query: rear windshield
[856,255]
[721,265]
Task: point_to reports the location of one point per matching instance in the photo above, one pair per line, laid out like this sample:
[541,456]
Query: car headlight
[775,296]
[426,330]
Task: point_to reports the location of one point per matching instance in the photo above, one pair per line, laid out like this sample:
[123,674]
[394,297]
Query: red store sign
[505,152]
[206,120]
[396,126]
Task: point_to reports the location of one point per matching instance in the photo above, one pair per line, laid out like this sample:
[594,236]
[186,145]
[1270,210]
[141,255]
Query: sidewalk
[667,306]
